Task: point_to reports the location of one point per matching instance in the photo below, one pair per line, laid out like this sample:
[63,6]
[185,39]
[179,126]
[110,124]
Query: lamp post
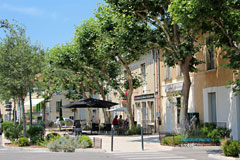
[30,99]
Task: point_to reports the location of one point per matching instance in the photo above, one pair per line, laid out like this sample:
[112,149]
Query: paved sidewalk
[132,143]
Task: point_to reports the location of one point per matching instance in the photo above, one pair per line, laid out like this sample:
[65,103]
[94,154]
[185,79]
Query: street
[30,155]
[12,154]
[182,154]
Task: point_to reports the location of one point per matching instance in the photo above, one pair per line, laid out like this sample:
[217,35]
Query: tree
[19,64]
[178,46]
[120,41]
[220,18]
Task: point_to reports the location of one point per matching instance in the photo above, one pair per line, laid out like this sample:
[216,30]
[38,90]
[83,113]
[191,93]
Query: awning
[121,109]
[35,101]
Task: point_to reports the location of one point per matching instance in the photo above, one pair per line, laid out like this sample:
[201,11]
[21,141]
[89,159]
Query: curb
[46,150]
[91,150]
[27,149]
[220,157]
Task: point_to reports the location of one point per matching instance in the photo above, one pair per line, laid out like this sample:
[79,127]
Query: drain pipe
[154,89]
[159,88]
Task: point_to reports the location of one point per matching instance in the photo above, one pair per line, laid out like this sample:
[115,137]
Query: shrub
[23,142]
[36,140]
[50,124]
[87,139]
[6,125]
[62,123]
[134,130]
[52,136]
[231,148]
[13,132]
[54,146]
[35,131]
[169,140]
[87,128]
[63,144]
[210,130]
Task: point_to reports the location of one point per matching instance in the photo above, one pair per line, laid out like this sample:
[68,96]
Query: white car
[68,122]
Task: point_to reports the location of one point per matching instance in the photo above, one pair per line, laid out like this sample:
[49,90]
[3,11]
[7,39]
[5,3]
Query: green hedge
[52,136]
[6,125]
[13,132]
[35,131]
[134,130]
[210,130]
[169,140]
[87,139]
[231,148]
[23,142]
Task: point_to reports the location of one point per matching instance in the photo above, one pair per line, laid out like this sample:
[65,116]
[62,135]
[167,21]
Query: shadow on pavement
[148,140]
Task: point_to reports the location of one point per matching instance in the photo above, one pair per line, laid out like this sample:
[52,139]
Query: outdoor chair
[77,128]
[95,127]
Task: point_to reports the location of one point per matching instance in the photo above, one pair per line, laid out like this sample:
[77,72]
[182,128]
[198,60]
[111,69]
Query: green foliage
[87,139]
[134,130]
[6,125]
[50,124]
[62,122]
[231,148]
[220,18]
[171,140]
[210,130]
[20,62]
[37,140]
[52,136]
[13,132]
[35,131]
[23,142]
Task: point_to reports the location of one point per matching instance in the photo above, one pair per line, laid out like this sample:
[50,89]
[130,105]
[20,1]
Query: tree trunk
[120,91]
[24,118]
[129,97]
[105,113]
[14,111]
[184,121]
[44,112]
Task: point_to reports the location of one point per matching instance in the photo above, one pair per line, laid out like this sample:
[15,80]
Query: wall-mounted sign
[174,87]
[144,96]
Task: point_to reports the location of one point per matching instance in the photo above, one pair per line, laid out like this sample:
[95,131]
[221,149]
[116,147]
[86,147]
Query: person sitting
[115,121]
[126,123]
[120,121]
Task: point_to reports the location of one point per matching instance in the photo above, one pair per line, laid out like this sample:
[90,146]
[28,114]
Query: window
[82,114]
[143,71]
[58,105]
[168,74]
[212,107]
[210,56]
[178,109]
[179,72]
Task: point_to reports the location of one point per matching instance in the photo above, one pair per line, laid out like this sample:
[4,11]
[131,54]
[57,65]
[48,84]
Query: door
[82,114]
[144,113]
[138,114]
[169,116]
[212,107]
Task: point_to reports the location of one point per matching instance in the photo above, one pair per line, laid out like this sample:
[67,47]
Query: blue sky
[50,22]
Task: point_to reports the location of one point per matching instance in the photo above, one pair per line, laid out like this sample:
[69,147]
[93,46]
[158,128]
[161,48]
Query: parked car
[67,122]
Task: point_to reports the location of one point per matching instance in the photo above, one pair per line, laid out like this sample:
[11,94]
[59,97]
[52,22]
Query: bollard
[112,138]
[142,137]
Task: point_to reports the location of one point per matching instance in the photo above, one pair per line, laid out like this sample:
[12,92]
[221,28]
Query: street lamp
[30,99]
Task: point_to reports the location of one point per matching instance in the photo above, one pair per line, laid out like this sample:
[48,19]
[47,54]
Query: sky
[50,22]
